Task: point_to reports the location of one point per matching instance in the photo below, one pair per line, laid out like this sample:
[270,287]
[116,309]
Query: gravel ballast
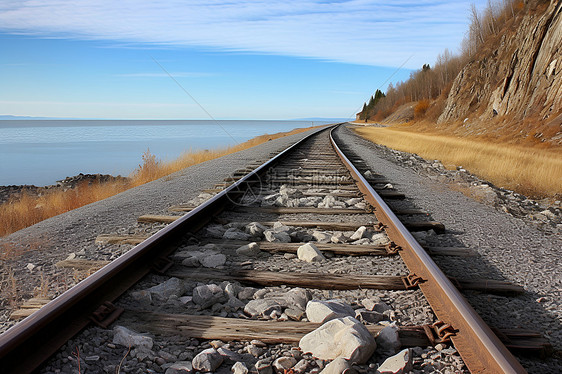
[101,350]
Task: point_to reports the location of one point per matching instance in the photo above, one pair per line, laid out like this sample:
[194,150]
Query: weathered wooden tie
[299,210]
[340,249]
[334,281]
[28,308]
[291,332]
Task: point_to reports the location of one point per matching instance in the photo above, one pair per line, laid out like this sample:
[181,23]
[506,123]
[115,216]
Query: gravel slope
[508,247]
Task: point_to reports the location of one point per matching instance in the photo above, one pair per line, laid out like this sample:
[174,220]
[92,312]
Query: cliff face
[521,78]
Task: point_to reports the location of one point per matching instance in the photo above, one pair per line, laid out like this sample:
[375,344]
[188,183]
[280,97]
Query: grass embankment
[531,171]
[28,210]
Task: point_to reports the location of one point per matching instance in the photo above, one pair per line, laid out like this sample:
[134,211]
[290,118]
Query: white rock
[279,227]
[363,241]
[209,294]
[360,205]
[163,291]
[213,261]
[321,237]
[30,266]
[255,229]
[353,201]
[359,233]
[338,238]
[338,366]
[283,364]
[208,360]
[327,202]
[180,367]
[388,340]
[263,307]
[342,337]
[321,311]
[250,250]
[309,253]
[128,338]
[276,237]
[239,368]
[297,297]
[397,364]
[369,304]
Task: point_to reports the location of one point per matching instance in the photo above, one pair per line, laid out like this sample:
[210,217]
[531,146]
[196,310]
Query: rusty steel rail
[481,350]
[25,346]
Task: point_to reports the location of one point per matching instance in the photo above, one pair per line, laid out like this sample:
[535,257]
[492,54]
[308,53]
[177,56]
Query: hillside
[519,80]
[507,84]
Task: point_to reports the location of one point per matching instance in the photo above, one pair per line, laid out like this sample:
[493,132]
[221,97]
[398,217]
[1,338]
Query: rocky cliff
[520,79]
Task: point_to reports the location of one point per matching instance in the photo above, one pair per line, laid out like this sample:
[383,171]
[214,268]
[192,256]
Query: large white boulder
[309,253]
[342,337]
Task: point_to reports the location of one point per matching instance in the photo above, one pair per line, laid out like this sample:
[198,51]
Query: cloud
[180,74]
[352,31]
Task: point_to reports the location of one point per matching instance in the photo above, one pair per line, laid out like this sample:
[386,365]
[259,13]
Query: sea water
[41,152]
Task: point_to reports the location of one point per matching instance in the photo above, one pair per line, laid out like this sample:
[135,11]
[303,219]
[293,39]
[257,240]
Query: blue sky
[238,59]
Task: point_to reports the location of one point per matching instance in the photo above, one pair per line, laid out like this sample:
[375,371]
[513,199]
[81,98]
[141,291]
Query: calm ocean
[41,152]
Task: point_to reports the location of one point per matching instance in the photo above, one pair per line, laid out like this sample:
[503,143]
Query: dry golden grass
[28,210]
[532,171]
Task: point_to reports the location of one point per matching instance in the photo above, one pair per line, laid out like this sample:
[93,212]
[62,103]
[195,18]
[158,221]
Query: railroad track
[281,248]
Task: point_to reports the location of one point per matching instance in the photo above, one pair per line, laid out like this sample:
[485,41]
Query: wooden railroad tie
[338,226]
[334,281]
[291,332]
[300,210]
[28,308]
[338,249]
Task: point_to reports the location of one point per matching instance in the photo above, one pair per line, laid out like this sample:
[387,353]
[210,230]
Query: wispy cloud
[352,31]
[180,74]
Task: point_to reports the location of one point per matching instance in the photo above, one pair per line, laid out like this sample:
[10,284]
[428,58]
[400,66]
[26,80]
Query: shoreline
[15,191]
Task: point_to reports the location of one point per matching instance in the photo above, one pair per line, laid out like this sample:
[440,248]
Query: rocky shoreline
[15,191]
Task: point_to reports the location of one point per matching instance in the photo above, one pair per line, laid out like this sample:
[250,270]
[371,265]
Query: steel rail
[25,346]
[479,347]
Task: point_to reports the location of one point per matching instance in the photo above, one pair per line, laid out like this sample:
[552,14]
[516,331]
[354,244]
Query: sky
[224,59]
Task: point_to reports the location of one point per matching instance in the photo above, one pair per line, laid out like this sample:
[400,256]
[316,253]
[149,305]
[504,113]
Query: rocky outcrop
[520,78]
